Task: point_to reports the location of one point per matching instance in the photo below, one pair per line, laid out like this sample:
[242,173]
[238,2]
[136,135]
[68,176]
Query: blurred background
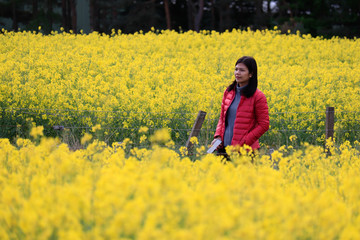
[317,17]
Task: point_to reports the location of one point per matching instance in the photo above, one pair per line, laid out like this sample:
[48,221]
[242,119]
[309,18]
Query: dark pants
[222,152]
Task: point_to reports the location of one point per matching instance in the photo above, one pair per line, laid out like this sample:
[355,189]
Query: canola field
[162,79]
[50,192]
[131,100]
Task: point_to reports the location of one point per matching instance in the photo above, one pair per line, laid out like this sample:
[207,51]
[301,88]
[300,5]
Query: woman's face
[242,74]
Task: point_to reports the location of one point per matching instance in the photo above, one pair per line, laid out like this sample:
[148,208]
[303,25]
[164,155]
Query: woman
[244,116]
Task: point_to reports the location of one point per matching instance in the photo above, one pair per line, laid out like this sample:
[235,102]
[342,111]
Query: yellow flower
[194,140]
[293,138]
[91,193]
[143,129]
[143,138]
[183,151]
[86,138]
[161,136]
[96,127]
[37,131]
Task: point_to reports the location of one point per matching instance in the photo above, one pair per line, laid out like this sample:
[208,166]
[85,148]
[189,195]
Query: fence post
[195,129]
[329,125]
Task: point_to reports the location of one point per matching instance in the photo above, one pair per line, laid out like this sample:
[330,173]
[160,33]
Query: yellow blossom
[194,140]
[293,138]
[143,129]
[37,131]
[161,136]
[86,138]
[96,127]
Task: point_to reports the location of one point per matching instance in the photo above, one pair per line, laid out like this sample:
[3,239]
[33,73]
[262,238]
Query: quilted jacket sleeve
[261,118]
[221,123]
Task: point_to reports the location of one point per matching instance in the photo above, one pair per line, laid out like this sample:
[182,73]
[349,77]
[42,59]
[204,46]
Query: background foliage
[319,18]
[122,82]
[50,192]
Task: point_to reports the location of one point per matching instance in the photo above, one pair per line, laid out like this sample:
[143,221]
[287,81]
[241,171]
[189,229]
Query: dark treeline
[317,17]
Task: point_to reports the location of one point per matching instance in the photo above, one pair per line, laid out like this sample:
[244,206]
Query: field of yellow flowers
[163,78]
[101,192]
[131,181]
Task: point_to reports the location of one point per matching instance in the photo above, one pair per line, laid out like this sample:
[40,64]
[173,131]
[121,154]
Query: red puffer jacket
[252,119]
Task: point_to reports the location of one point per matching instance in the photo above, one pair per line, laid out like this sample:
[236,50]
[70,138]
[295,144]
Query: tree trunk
[49,13]
[68,15]
[199,15]
[94,16]
[167,14]
[14,16]
[91,10]
[73,15]
[224,16]
[195,14]
[213,14]
[221,19]
[64,14]
[190,15]
[152,9]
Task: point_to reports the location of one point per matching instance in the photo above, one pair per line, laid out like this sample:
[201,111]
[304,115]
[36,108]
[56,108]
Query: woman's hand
[221,144]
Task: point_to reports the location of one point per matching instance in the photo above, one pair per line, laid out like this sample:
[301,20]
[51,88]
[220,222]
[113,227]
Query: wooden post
[329,126]
[195,129]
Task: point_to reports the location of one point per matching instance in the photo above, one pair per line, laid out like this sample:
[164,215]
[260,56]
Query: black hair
[250,89]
